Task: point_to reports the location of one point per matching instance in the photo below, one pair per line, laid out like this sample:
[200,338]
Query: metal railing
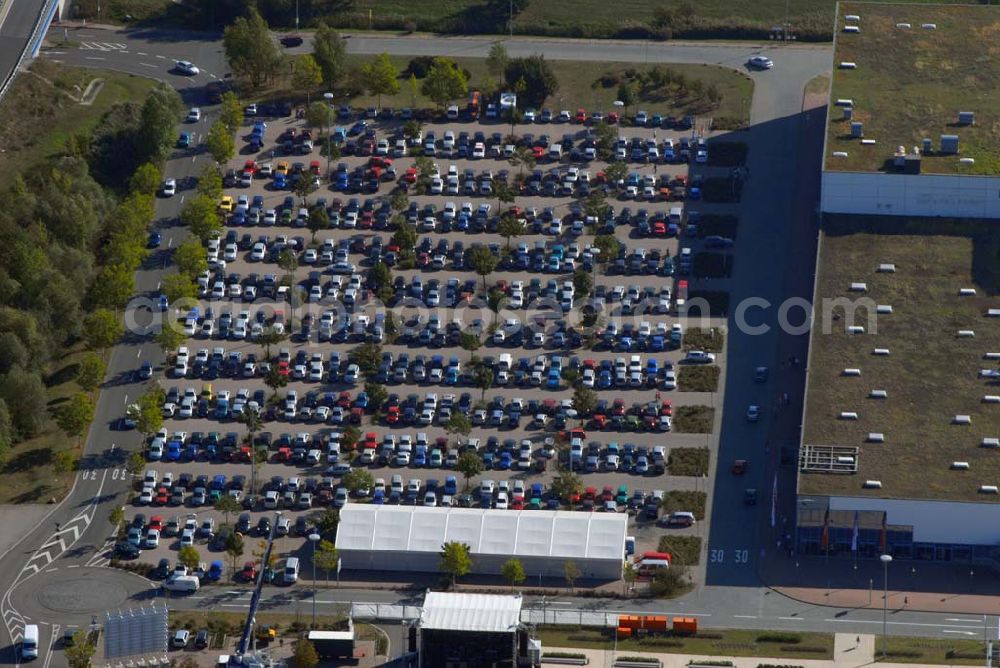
[398,612]
[44,18]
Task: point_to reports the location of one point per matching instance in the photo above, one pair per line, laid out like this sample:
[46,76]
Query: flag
[774,500]
[882,538]
[854,536]
[824,539]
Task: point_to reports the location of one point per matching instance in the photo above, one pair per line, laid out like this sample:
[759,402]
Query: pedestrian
[857,640]
[906,601]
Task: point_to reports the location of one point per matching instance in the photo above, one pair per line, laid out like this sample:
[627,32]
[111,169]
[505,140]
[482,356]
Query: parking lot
[536,344]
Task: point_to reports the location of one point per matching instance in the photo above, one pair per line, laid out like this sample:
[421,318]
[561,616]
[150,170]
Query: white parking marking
[161,57]
[142,53]
[126,401]
[93,58]
[170,242]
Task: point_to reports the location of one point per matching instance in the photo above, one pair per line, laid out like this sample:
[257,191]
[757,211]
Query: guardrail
[44,18]
[536,616]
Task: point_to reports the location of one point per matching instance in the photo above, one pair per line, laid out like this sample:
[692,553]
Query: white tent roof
[470,612]
[519,533]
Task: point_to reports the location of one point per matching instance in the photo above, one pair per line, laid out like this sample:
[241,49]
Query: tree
[616,173]
[513,572]
[377,395]
[270,337]
[380,276]
[306,73]
[596,205]
[608,245]
[220,143]
[303,187]
[135,463]
[456,560]
[504,193]
[497,60]
[380,77]
[190,259]
[24,394]
[251,420]
[326,522]
[319,219]
[540,80]
[147,412]
[319,115]
[235,547]
[64,462]
[113,287]
[584,401]
[275,380]
[459,423]
[469,465]
[80,652]
[482,260]
[626,94]
[177,287]
[116,517]
[629,575]
[444,82]
[522,157]
[231,111]
[90,372]
[411,129]
[367,356]
[157,120]
[189,556]
[470,342]
[582,283]
[482,377]
[325,558]
[330,53]
[399,200]
[669,582]
[250,49]
[146,179]
[227,505]
[566,485]
[510,226]
[101,329]
[414,89]
[201,215]
[571,572]
[349,436]
[405,237]
[289,261]
[210,182]
[170,337]
[305,655]
[357,480]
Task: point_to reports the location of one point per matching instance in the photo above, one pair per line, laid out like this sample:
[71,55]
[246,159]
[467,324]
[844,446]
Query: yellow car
[282,168]
[227,203]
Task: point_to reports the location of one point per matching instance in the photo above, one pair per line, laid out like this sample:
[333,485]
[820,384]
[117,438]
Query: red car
[613,117]
[392,417]
[155,522]
[162,497]
[581,116]
[249,572]
[600,421]
[251,166]
[618,408]
[667,408]
[410,176]
[283,368]
[659,229]
[344,400]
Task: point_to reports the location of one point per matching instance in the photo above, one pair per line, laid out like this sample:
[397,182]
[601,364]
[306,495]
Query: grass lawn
[580,85]
[698,378]
[930,374]
[714,642]
[29,475]
[686,501]
[686,550]
[711,340]
[693,419]
[45,95]
[911,84]
[688,461]
[964,652]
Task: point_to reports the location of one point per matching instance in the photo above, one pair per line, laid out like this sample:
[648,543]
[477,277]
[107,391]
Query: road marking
[170,242]
[793,619]
[161,57]
[182,198]
[55,53]
[141,53]
[51,570]
[212,75]
[238,605]
[138,353]
[148,65]
[158,283]
[126,401]
[964,633]
[956,619]
[875,621]
[73,566]
[93,58]
[52,642]
[745,616]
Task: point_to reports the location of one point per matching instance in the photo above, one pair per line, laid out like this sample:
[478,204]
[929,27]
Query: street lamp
[329,135]
[618,104]
[886,559]
[314,538]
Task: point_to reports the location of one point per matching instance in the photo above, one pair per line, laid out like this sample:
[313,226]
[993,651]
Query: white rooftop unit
[962,419]
[875,437]
[993,313]
[484,613]
[873,484]
[966,333]
[883,309]
[848,415]
[878,394]
[880,351]
[859,287]
[886,268]
[851,372]
[990,442]
[852,29]
[967,292]
[848,65]
[960,466]
[988,489]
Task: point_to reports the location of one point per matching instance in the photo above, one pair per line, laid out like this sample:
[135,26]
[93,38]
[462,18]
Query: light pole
[618,104]
[314,538]
[296,15]
[329,134]
[886,559]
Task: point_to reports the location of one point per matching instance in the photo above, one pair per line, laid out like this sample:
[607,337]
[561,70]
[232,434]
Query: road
[68,553]
[17,22]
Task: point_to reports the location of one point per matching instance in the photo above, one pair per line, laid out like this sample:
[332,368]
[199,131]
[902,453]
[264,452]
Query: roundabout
[75,595]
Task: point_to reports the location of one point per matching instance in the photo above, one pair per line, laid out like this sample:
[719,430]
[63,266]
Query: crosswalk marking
[103,46]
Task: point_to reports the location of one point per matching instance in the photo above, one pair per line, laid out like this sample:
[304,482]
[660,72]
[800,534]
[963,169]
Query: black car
[263,526]
[243,524]
[126,550]
[201,640]
[162,569]
[288,41]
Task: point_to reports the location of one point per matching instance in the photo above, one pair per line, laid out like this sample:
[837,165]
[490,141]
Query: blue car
[280,182]
[358,128]
[505,461]
[553,380]
[604,380]
[379,497]
[154,240]
[451,485]
[173,451]
[420,456]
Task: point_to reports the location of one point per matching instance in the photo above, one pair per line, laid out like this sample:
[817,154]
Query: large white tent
[409,538]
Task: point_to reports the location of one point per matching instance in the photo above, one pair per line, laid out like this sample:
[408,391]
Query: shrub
[686,550]
[418,67]
[788,638]
[698,378]
[639,659]
[808,649]
[688,461]
[693,419]
[563,655]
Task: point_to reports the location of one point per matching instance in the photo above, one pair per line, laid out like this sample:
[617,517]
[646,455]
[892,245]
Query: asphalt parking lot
[649,390]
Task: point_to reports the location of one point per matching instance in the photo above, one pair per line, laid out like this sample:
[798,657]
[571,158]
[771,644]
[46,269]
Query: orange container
[624,632]
[630,621]
[656,623]
[685,625]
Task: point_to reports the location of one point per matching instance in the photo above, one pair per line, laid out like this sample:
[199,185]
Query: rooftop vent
[868,142]
[904,25]
[840,154]
[966,117]
[966,161]
[852,29]
[887,268]
[848,415]
[859,287]
[875,437]
[992,356]
[988,489]
[848,113]
[993,313]
[991,399]
[929,26]
[873,484]
[880,351]
[878,394]
[967,292]
[844,102]
[949,143]
[855,329]
[927,145]
[960,466]
[852,17]
[848,65]
[883,308]
[851,372]
[990,442]
[962,419]
[966,333]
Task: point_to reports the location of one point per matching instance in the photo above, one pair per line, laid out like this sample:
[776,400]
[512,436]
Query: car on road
[186,67]
[760,374]
[753,413]
[289,41]
[760,63]
[169,188]
[194,115]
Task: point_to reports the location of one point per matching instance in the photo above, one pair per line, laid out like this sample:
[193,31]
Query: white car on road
[760,63]
[186,67]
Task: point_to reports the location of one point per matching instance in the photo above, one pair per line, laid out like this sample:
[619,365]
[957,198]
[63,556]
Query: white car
[760,63]
[194,115]
[186,67]
[169,188]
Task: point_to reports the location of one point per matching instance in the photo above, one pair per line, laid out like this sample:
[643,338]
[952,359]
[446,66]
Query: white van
[29,643]
[182,584]
[291,574]
[676,213]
